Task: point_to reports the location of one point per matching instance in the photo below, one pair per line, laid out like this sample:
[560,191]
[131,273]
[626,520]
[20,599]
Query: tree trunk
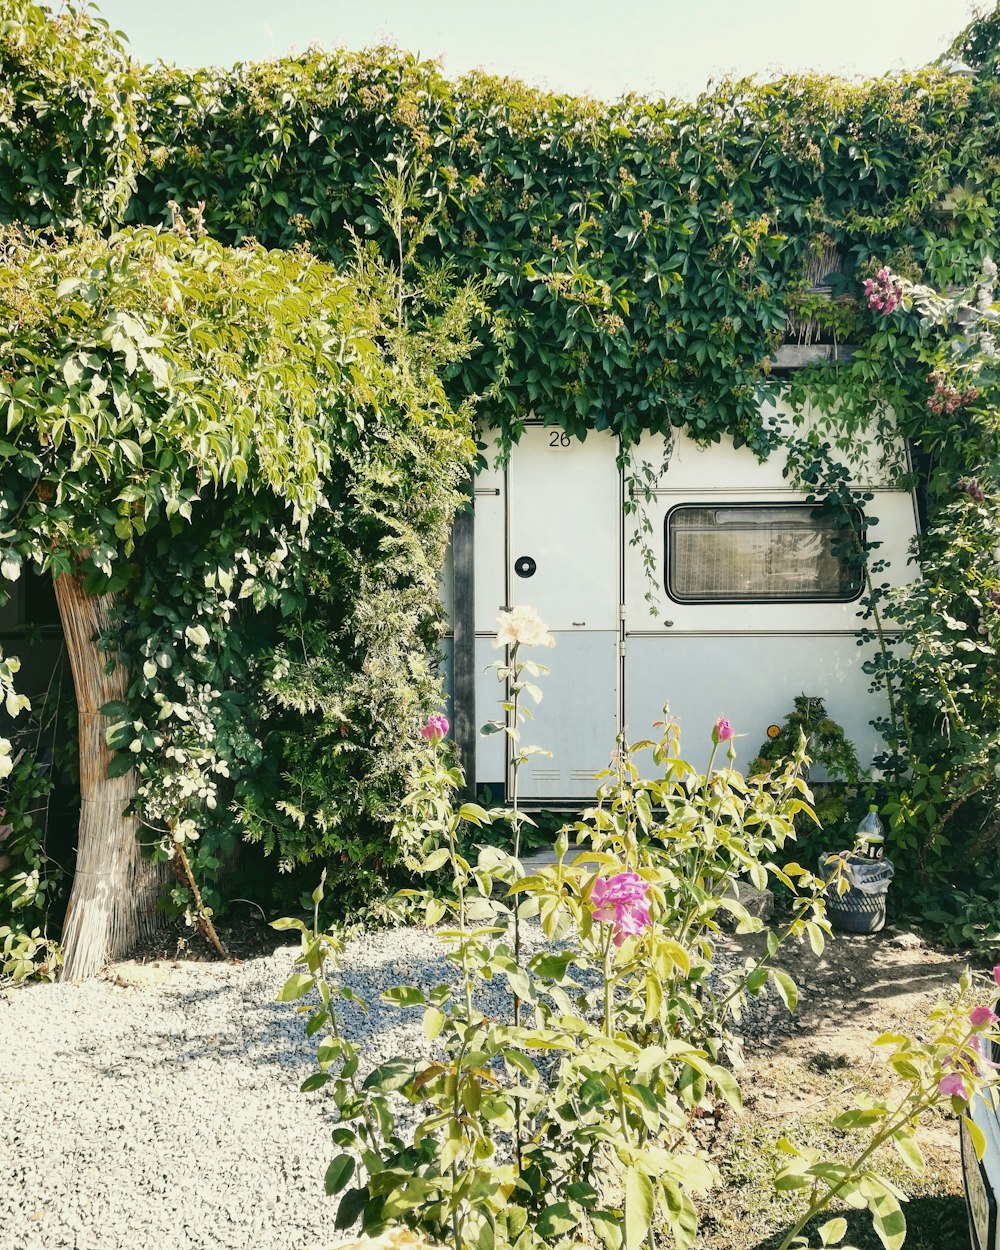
[113,900]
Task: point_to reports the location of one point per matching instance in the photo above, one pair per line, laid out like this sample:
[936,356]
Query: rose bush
[570,1118]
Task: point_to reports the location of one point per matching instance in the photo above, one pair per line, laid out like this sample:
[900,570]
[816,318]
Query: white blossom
[522,626]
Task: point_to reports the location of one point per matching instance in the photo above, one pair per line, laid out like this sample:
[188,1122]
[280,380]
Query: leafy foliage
[826,743]
[216,436]
[632,266]
[828,746]
[567,1120]
[69,146]
[571,1118]
[640,257]
[642,260]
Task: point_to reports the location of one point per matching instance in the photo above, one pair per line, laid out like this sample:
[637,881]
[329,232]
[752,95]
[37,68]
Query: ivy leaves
[639,258]
[69,142]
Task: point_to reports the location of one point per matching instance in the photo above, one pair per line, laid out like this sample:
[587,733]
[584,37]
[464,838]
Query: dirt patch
[243,937]
[815,1065]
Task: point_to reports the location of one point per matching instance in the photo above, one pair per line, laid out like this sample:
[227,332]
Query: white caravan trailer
[746,605]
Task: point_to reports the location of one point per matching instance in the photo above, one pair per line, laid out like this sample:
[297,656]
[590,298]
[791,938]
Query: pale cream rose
[522,625]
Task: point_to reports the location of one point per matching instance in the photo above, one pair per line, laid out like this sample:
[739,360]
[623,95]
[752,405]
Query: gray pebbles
[160,1111]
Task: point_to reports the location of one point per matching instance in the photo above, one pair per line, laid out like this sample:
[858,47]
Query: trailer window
[749,553]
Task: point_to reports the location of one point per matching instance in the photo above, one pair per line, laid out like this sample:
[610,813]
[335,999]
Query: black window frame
[701,505]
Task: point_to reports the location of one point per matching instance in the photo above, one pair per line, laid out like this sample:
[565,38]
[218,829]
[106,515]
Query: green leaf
[728,1087]
[329,1049]
[888,1219]
[785,986]
[475,814]
[288,922]
[552,965]
[390,1076]
[791,1179]
[608,1228]
[638,1207]
[556,1220]
[121,764]
[832,1231]
[404,996]
[858,1117]
[977,1135]
[437,859]
[339,1172]
[909,1151]
[351,1206]
[298,984]
[434,1020]
[316,1081]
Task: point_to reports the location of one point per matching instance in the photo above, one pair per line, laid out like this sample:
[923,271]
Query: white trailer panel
[550,532]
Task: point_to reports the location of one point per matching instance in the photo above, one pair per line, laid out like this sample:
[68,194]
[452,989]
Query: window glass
[736,553]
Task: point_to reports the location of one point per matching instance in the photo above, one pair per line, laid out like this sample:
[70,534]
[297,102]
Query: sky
[655,47]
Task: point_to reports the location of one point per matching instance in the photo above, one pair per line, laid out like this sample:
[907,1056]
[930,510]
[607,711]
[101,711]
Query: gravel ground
[167,1116]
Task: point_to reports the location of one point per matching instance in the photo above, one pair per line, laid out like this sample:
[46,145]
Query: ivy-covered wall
[643,262]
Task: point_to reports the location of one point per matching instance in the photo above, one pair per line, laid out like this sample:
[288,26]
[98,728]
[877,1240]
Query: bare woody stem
[516,824]
[201,914]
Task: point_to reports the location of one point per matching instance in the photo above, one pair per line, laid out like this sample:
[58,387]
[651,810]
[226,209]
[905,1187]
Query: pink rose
[979,1017]
[953,1086]
[722,731]
[621,900]
[436,728]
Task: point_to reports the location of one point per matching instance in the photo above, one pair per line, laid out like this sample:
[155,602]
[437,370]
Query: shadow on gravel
[932,1223]
[263,1033]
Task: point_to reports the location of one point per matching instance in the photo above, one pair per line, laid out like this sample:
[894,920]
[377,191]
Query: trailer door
[564,549]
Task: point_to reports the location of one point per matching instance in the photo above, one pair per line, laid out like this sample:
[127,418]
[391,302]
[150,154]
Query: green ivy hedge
[69,143]
[640,257]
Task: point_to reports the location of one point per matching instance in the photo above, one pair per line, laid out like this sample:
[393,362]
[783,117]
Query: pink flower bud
[996,974]
[722,731]
[436,728]
[979,1017]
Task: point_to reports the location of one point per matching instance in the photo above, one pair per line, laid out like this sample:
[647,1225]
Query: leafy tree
[204,445]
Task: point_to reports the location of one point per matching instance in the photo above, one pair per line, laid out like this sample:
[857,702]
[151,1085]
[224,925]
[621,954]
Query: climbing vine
[641,258]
